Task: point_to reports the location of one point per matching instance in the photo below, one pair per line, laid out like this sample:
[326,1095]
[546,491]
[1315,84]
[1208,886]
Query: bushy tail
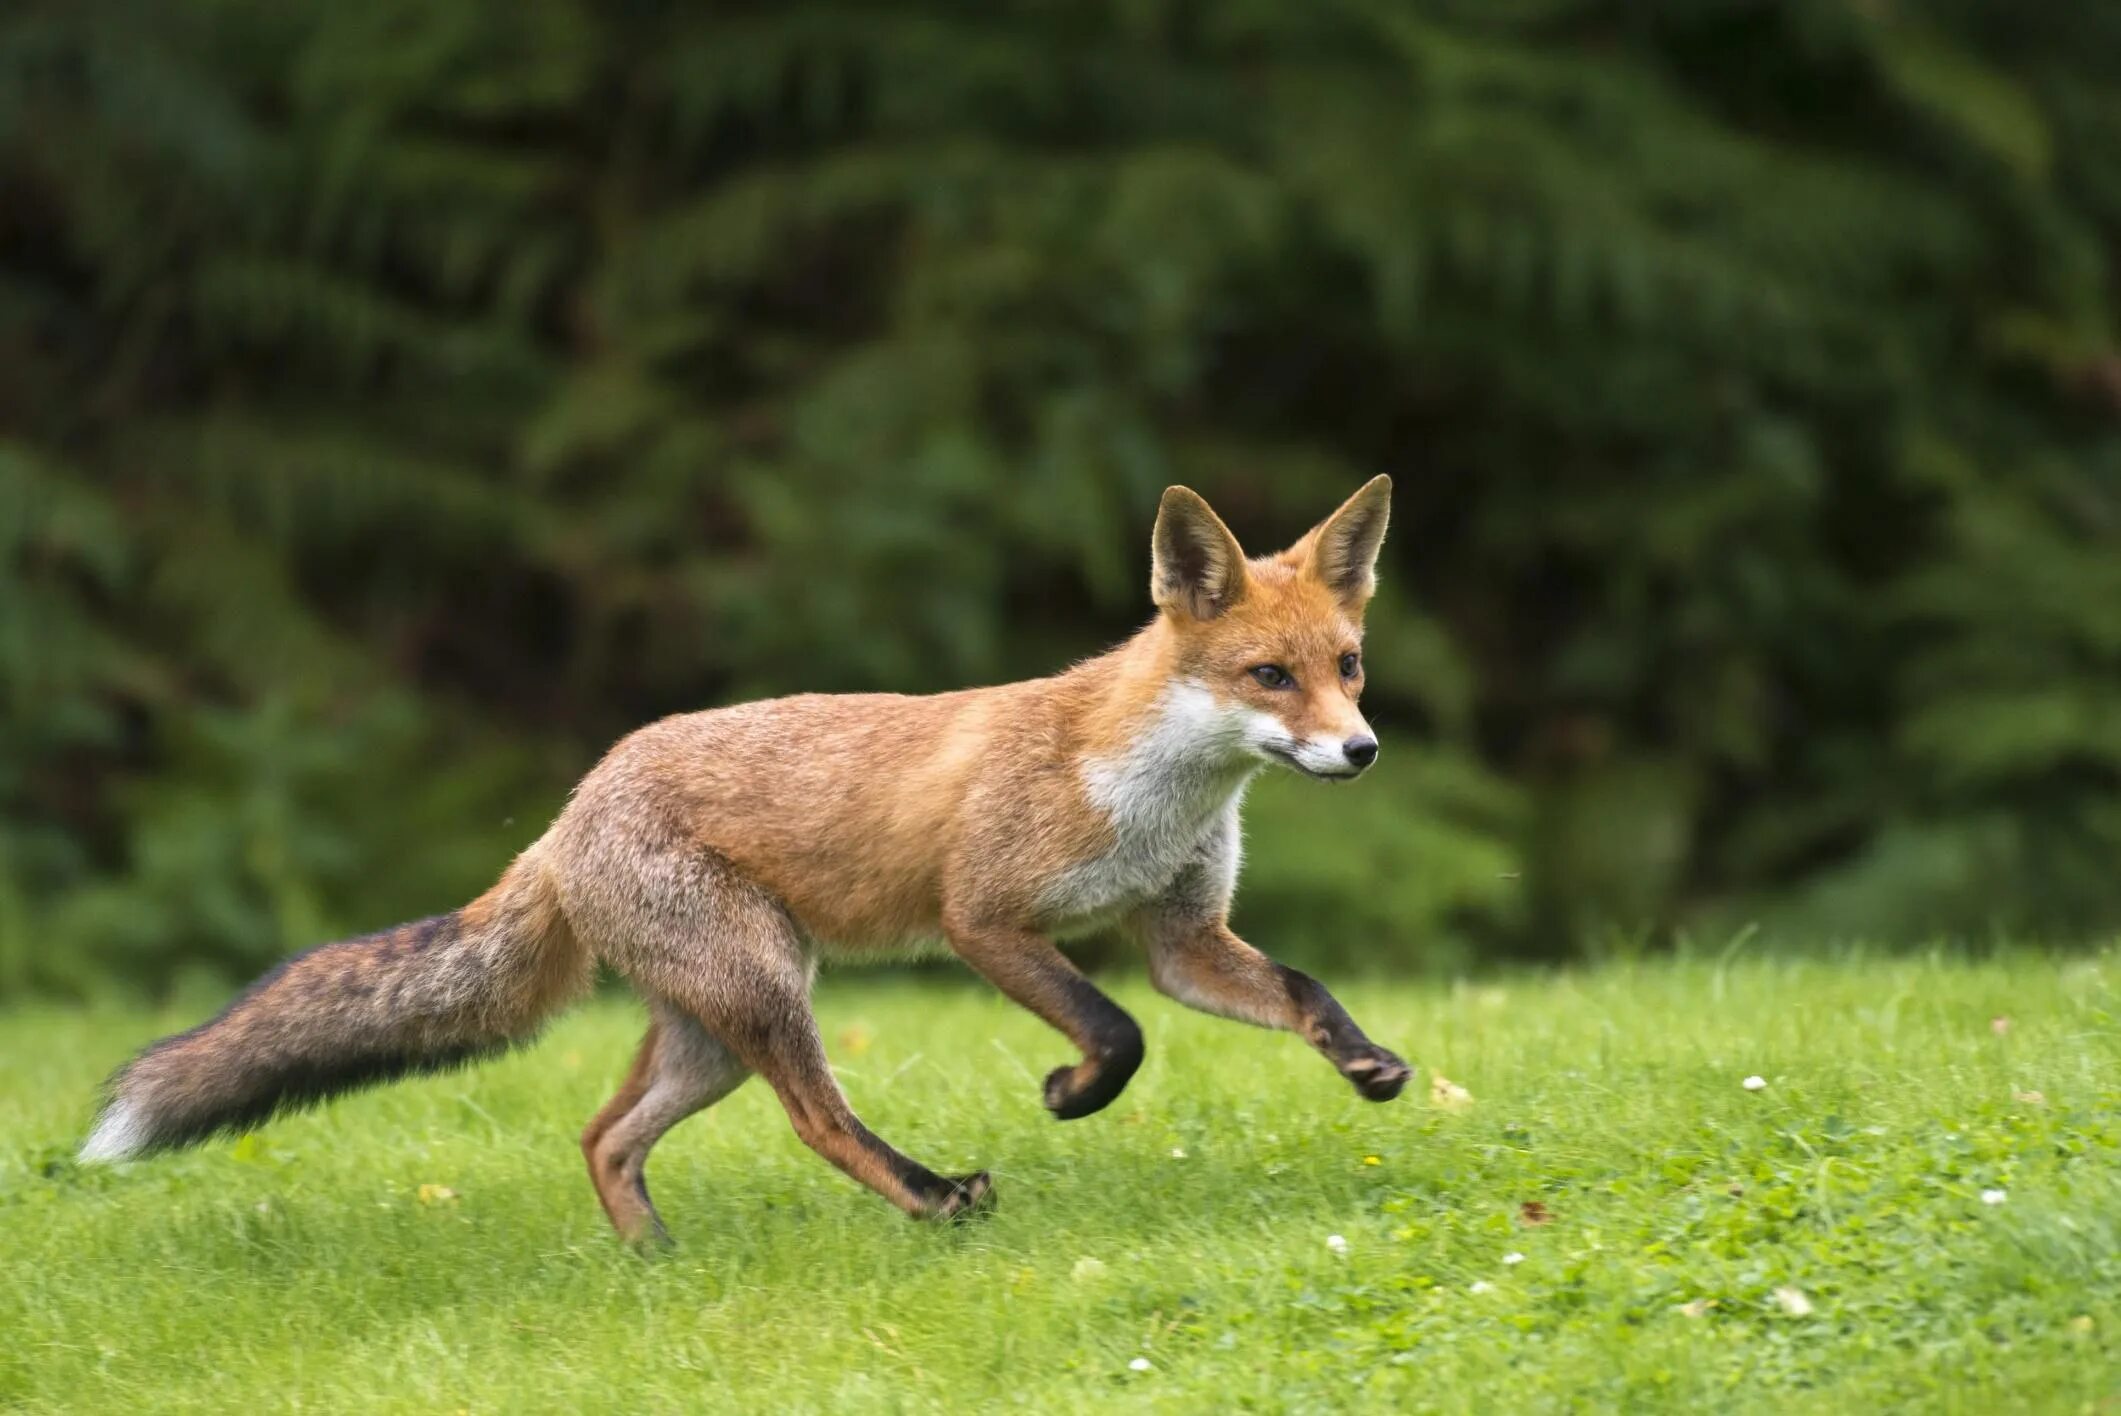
[423,996]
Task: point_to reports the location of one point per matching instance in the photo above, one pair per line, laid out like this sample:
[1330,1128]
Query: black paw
[1063,1097]
[1071,1092]
[1377,1074]
[1093,1083]
[970,1197]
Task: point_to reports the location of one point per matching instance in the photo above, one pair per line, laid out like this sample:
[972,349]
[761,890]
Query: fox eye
[1273,676]
[1350,664]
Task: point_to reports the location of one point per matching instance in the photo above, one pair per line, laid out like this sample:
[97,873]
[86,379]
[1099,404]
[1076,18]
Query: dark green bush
[400,400]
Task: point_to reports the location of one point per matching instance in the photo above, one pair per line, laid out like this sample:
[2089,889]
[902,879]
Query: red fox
[713,858]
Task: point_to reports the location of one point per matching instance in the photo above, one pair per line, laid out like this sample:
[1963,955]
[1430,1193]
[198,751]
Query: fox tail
[422,997]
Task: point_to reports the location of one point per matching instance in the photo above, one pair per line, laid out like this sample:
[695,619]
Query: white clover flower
[1337,1244]
[1513,1258]
[1753,1084]
[1139,1364]
[1994,1197]
[1482,1286]
[1794,1302]
[1178,1152]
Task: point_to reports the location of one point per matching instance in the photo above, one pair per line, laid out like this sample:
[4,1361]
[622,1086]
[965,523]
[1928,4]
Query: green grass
[1187,1225]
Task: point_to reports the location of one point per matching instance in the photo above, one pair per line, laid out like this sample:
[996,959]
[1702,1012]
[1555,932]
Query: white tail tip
[120,1134]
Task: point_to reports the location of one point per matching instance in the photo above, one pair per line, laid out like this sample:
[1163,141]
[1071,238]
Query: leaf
[1988,109]
[437,1195]
[1533,1212]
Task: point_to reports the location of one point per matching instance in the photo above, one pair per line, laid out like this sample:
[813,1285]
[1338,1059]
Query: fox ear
[1196,566]
[1345,545]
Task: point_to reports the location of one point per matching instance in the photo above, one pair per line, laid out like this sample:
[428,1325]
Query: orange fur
[713,857]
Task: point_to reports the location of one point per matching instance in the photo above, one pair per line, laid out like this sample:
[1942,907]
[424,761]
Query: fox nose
[1361,751]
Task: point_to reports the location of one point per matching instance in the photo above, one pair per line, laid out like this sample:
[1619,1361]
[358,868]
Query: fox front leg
[1203,965]
[1033,973]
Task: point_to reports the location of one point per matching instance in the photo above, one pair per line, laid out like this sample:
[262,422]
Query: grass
[1821,1243]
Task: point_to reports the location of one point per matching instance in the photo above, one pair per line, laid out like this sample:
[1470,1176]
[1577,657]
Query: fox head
[1271,649]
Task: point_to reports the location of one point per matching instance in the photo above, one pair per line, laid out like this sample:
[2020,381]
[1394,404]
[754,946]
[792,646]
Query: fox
[714,859]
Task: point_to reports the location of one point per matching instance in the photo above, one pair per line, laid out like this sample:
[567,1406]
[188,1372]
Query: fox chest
[1168,831]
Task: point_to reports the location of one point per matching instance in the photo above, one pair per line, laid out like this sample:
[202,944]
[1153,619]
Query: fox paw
[970,1196]
[1071,1092]
[1377,1074]
[1062,1096]
[1112,1057]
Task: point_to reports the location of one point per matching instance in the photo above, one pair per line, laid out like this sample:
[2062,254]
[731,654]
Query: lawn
[1920,1208]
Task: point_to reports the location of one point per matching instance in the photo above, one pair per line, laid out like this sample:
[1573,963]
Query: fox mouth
[1284,755]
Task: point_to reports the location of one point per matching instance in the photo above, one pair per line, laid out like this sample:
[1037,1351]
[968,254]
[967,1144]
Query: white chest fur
[1172,798]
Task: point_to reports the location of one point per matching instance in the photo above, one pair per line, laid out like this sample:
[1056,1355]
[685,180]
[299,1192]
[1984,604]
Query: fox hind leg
[735,966]
[771,1028]
[680,1070]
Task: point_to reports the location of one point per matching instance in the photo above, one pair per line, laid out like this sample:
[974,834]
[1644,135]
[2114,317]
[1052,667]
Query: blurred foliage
[399,401]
